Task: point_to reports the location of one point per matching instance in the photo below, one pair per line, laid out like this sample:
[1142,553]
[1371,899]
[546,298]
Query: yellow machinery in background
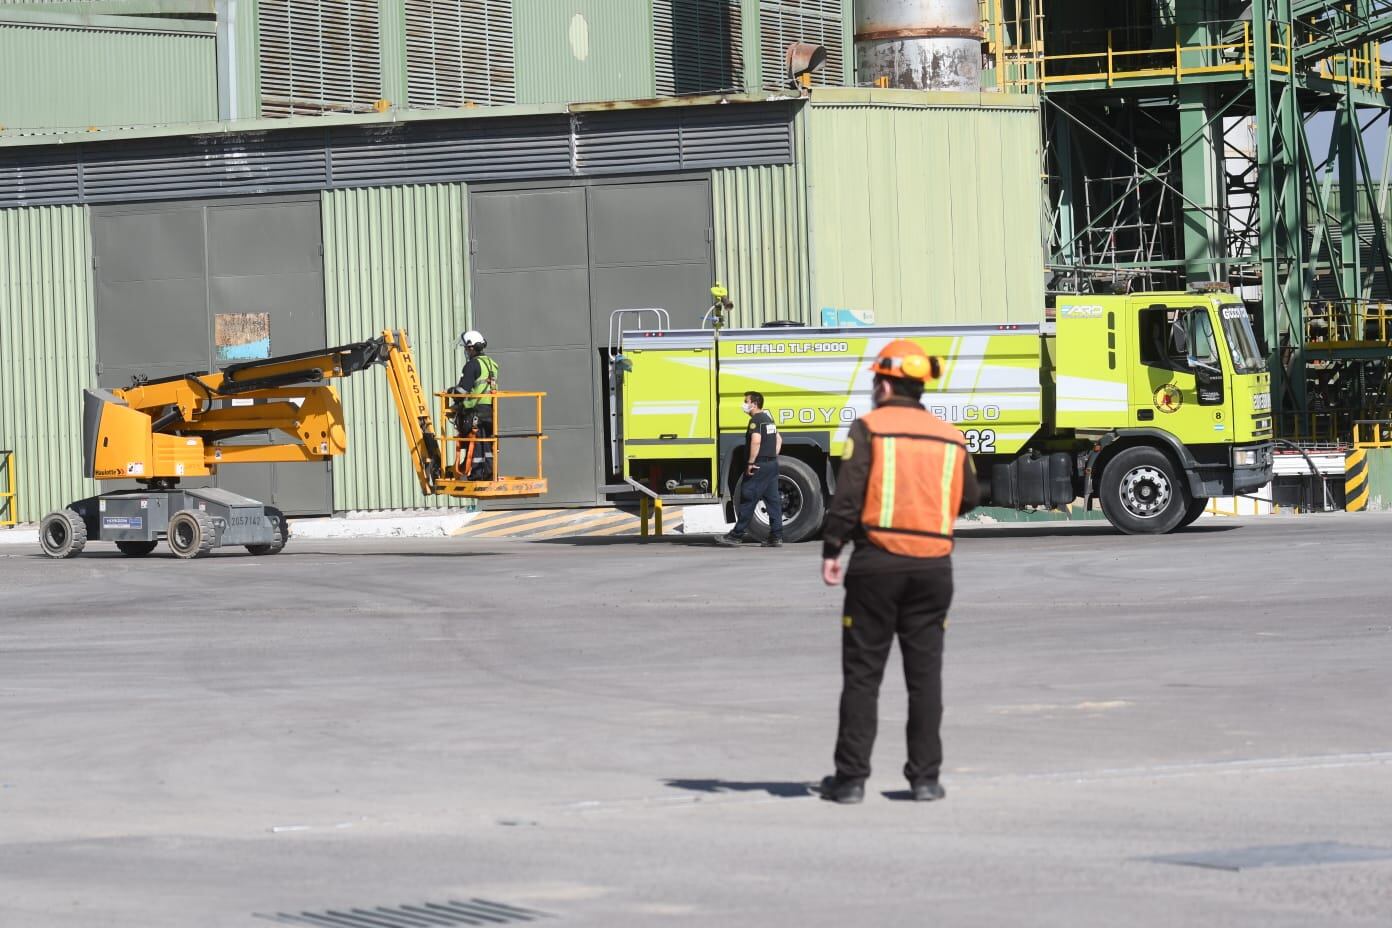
[159,432]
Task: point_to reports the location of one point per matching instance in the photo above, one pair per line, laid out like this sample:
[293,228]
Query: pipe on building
[919,44]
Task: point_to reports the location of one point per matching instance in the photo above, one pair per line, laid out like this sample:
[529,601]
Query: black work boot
[927,790]
[773,542]
[730,540]
[846,792]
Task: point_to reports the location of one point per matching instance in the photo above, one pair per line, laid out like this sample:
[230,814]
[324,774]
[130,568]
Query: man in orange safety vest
[905,477]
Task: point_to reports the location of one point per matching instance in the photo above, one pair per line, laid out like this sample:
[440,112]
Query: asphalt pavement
[1184,730]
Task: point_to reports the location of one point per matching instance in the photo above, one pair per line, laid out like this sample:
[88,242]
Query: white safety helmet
[473,339]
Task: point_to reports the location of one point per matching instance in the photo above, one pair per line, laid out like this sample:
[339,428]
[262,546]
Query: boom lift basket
[459,450]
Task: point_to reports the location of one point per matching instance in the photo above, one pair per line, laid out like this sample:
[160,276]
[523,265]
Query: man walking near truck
[762,443]
[905,477]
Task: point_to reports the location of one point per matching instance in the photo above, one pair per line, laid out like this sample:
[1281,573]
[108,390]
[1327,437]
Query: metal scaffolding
[1215,140]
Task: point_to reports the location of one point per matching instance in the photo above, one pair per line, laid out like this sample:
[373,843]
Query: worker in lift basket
[905,477]
[472,410]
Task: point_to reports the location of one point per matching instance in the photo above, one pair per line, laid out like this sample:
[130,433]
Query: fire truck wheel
[803,503]
[1143,492]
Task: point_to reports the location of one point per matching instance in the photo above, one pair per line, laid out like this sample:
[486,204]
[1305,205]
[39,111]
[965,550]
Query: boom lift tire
[1196,509]
[1143,492]
[63,534]
[282,534]
[804,506]
[191,534]
[136,548]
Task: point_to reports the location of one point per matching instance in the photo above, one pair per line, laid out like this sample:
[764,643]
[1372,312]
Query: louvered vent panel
[412,152]
[782,22]
[39,177]
[459,52]
[698,46]
[319,56]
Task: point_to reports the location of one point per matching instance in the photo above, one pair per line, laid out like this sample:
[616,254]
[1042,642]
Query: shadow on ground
[604,541]
[783,790]
[167,558]
[1068,530]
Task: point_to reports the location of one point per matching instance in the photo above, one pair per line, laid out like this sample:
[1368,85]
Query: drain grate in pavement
[1277,855]
[425,915]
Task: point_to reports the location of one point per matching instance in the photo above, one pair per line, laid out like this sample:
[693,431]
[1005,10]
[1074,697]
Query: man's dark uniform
[888,593]
[762,485]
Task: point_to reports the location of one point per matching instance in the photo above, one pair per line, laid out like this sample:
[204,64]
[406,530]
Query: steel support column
[1345,136]
[1199,163]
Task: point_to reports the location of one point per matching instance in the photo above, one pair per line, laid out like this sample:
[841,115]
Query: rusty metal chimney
[919,44]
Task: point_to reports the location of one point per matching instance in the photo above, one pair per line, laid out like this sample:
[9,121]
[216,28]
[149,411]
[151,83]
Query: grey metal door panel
[262,239]
[531,300]
[294,303]
[256,481]
[563,374]
[650,223]
[149,322]
[164,273]
[521,229]
[265,257]
[569,461]
[296,483]
[548,306]
[549,267]
[678,288]
[650,246]
[150,244]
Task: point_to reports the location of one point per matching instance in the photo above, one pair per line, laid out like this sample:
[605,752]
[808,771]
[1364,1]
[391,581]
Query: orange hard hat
[903,358]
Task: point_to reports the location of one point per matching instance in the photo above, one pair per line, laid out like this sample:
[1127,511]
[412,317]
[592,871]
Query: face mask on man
[748,407]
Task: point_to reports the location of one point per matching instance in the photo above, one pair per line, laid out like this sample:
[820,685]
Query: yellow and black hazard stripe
[541,524]
[1356,487]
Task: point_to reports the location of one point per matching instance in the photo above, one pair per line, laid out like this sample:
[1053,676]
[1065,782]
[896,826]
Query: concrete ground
[623,734]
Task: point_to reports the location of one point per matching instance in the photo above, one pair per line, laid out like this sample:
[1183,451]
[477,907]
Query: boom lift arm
[160,431]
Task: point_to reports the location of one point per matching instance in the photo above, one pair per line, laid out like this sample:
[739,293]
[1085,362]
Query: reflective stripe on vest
[915,484]
[487,383]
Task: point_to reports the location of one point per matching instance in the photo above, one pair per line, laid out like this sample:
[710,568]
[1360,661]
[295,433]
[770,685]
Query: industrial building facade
[124,251]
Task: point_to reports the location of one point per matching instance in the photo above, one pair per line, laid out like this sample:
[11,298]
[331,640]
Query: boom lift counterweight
[158,432]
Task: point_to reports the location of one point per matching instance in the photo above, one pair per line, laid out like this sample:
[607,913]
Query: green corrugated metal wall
[56,77]
[925,207]
[761,242]
[583,50]
[394,257]
[45,352]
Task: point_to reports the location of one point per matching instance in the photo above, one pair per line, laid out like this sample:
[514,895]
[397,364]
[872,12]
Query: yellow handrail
[1372,433]
[1364,70]
[7,498]
[456,466]
[1332,323]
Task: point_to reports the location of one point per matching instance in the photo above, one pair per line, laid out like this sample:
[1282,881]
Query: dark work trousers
[480,465]
[880,605]
[761,487]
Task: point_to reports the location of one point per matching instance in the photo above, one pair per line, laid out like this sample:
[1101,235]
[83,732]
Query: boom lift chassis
[158,432]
